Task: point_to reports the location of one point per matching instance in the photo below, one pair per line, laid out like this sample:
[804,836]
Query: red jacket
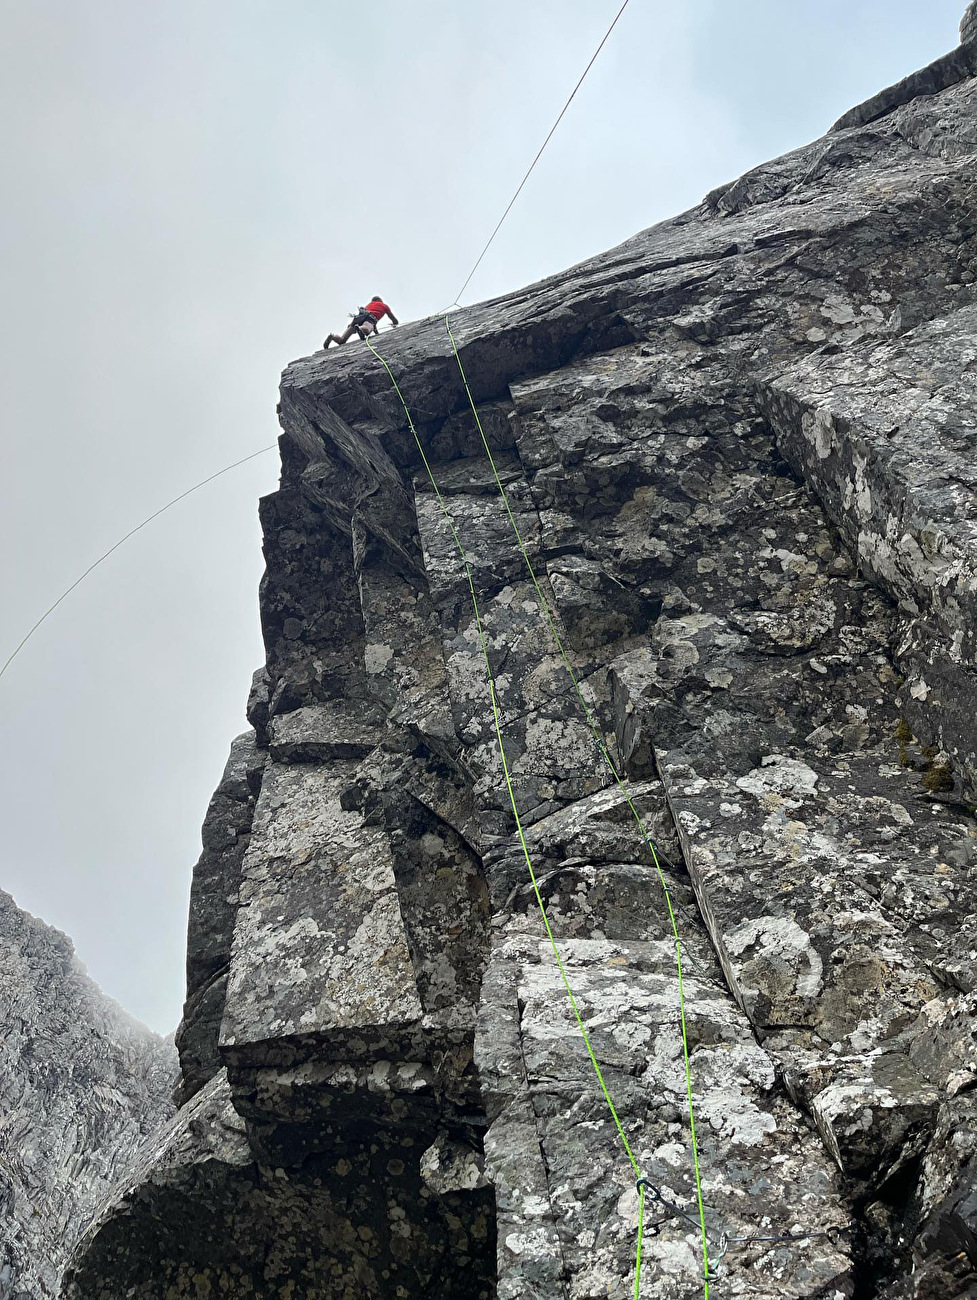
[378,309]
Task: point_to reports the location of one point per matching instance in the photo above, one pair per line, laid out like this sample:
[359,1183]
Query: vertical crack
[554,1220]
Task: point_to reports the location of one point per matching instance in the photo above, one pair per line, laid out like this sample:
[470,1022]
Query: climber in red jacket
[365,321]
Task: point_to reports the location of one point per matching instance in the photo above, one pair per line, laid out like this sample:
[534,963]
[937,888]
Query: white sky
[194,194]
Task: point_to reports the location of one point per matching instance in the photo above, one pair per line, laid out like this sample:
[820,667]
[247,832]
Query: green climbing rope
[497,722]
[602,748]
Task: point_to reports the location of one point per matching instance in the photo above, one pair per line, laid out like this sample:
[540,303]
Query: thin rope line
[545,607]
[641,1233]
[131,533]
[540,154]
[512,797]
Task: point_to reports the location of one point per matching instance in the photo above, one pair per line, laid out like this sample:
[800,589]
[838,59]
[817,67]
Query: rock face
[738,451]
[968,24]
[82,1085]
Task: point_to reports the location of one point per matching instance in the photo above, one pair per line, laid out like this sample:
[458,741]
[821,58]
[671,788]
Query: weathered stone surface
[570,1188]
[201,1216]
[887,437]
[82,1086]
[944,1043]
[968,23]
[444,902]
[205,1138]
[948,1196]
[402,655]
[320,732]
[947,71]
[320,948]
[786,862]
[213,908]
[751,625]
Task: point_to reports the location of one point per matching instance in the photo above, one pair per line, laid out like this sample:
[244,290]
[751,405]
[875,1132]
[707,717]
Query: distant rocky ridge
[741,450]
[82,1085]
[968,25]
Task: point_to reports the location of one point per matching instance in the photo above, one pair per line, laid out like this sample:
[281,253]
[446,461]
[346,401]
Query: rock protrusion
[968,23]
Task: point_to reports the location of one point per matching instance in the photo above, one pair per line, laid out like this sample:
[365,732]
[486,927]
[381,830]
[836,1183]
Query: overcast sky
[194,193]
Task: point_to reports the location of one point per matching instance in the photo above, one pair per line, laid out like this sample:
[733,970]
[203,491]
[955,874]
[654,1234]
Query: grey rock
[213,908]
[319,945]
[258,697]
[318,733]
[82,1087]
[947,1206]
[947,71]
[200,1214]
[893,460]
[944,1043]
[402,654]
[565,1184]
[968,23]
